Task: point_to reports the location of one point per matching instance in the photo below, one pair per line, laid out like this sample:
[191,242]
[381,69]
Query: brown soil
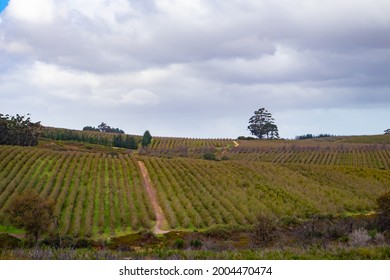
[153,198]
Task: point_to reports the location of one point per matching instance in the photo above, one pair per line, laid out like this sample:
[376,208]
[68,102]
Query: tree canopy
[127,142]
[18,130]
[262,125]
[146,139]
[30,211]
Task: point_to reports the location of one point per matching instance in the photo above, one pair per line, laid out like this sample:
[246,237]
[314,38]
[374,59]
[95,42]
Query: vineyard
[98,193]
[198,194]
[93,193]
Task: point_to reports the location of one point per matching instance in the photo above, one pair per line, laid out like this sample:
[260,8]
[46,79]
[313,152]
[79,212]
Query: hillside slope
[97,193]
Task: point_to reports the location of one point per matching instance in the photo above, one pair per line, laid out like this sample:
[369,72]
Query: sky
[3,4]
[198,68]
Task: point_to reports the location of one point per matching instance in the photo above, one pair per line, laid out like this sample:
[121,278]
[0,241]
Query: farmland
[101,192]
[94,194]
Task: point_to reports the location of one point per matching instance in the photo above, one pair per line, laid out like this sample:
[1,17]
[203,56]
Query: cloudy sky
[198,68]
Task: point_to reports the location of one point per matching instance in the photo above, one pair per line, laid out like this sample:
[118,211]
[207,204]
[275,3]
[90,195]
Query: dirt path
[153,198]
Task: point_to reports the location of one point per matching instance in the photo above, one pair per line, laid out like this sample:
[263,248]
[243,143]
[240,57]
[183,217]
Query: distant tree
[18,130]
[387,131]
[117,141]
[146,139]
[30,211]
[103,127]
[262,125]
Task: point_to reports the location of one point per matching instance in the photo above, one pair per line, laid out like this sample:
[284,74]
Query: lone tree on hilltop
[30,211]
[262,125]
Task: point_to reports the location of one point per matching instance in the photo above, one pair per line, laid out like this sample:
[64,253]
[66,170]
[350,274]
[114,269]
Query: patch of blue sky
[3,4]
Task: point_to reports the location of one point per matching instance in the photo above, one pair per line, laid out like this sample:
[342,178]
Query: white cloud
[36,12]
[139,97]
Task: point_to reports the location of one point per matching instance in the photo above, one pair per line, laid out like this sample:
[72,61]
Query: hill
[100,191]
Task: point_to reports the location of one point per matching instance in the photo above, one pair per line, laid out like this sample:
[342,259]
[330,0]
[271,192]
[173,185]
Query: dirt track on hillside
[160,218]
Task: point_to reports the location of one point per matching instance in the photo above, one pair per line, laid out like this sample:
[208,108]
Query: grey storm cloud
[197,67]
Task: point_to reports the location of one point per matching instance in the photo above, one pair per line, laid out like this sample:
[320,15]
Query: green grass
[11,229]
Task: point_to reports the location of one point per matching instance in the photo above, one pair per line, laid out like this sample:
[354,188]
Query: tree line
[18,130]
[312,136]
[117,140]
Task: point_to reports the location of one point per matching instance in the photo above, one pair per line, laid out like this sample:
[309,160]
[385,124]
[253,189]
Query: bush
[265,231]
[379,239]
[196,243]
[30,211]
[383,208]
[179,243]
[209,156]
[359,237]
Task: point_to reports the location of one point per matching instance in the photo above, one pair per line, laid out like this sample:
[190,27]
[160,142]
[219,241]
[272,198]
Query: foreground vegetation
[315,253]
[317,238]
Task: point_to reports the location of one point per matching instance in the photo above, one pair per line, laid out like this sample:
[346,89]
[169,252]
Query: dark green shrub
[179,243]
[196,243]
[209,156]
